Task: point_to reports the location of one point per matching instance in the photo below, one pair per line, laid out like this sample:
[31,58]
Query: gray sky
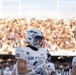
[38,8]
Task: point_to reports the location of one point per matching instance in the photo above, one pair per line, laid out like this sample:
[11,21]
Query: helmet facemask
[38,41]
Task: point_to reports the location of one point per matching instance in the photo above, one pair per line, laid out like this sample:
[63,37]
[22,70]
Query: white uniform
[74,61]
[33,58]
[50,67]
[14,69]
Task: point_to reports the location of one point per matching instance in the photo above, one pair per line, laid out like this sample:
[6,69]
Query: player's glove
[39,69]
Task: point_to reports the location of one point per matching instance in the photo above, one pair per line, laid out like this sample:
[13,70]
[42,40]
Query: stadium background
[65,21]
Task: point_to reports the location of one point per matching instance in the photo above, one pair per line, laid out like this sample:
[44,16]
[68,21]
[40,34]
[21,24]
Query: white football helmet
[34,37]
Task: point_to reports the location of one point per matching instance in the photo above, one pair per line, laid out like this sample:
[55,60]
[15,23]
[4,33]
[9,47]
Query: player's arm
[21,62]
[23,70]
[22,67]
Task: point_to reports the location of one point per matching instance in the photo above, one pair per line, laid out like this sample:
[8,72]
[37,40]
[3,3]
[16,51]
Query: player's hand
[39,69]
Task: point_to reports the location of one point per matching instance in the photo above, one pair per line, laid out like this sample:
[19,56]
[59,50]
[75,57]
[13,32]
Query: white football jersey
[74,61]
[33,58]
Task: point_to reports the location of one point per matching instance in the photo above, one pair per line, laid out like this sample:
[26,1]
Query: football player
[31,60]
[73,66]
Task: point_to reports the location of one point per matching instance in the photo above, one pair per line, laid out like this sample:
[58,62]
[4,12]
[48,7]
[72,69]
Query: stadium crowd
[59,34]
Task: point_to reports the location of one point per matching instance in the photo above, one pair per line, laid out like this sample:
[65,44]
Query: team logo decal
[27,53]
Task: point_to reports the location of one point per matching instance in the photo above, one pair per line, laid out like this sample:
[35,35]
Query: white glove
[40,66]
[39,69]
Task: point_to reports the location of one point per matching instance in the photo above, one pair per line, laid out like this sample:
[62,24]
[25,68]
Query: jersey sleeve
[19,53]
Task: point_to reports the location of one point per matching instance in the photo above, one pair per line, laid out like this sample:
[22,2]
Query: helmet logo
[31,31]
